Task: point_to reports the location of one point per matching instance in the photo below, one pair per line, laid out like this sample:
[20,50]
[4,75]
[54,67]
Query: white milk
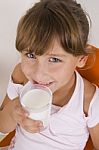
[38,102]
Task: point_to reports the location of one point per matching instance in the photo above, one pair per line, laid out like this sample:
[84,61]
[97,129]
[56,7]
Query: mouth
[42,84]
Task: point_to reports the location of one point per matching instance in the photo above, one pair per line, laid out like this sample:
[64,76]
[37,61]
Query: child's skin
[54,68]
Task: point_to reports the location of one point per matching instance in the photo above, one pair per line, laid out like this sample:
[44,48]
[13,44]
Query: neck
[62,96]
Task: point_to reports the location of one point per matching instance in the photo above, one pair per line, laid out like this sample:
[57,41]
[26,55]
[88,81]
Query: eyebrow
[58,55]
[55,55]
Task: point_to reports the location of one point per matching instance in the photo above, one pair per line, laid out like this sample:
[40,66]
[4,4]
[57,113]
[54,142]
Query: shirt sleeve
[13,90]
[93,113]
[2,135]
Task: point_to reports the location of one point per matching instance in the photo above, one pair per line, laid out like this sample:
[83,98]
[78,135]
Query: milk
[37,100]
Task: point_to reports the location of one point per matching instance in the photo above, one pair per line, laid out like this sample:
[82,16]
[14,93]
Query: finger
[30,122]
[32,129]
[19,114]
[19,107]
[32,125]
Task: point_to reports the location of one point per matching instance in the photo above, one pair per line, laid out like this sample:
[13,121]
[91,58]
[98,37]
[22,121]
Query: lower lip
[46,84]
[43,84]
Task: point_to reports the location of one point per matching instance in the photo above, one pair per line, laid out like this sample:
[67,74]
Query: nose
[40,74]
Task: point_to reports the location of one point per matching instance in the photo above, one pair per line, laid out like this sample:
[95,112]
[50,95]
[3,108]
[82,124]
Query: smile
[43,84]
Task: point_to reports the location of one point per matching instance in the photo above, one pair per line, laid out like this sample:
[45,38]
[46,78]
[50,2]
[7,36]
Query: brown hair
[50,19]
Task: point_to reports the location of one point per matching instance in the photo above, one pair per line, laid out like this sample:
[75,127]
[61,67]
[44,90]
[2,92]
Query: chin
[53,88]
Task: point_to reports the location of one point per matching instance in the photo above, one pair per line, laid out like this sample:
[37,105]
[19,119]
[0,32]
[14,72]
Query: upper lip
[41,83]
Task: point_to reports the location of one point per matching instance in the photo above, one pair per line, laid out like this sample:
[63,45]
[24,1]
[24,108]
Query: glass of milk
[37,99]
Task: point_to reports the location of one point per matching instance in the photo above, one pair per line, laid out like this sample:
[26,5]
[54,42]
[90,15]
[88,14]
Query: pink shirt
[68,125]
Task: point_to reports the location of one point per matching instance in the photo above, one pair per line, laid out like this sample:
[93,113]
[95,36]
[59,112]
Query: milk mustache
[37,100]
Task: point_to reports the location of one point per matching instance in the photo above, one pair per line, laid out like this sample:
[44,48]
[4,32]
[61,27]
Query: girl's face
[54,69]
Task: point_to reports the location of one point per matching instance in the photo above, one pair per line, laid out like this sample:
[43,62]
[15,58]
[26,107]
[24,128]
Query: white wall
[10,12]
[92,7]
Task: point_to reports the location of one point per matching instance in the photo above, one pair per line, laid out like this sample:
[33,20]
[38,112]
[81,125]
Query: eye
[54,59]
[30,55]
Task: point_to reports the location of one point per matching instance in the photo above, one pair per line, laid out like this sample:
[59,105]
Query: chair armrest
[7,139]
[89,145]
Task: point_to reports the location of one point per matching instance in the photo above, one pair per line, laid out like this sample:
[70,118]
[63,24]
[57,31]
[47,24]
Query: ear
[82,61]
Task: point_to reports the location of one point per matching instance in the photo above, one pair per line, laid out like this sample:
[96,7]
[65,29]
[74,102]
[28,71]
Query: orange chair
[6,141]
[92,74]
[91,71]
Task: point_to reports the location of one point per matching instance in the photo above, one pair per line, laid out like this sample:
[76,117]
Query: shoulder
[89,91]
[18,76]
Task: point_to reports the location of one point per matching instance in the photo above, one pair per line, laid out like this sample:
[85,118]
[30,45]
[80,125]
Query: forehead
[56,48]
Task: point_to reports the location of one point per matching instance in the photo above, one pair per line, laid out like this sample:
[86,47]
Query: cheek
[26,69]
[64,74]
[59,74]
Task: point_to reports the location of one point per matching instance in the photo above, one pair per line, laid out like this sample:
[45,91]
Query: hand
[20,115]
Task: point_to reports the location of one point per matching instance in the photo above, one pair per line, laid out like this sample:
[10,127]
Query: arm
[93,122]
[9,114]
[12,113]
[7,121]
[92,111]
[94,133]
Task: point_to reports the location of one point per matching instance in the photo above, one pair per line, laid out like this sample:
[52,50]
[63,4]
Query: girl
[52,41]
